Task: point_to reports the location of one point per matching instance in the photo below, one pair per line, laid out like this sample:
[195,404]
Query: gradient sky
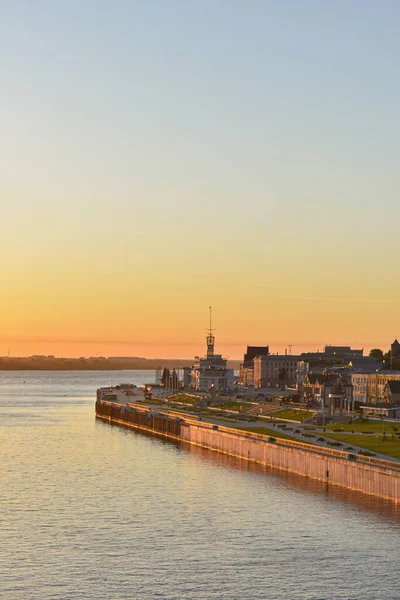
[161,156]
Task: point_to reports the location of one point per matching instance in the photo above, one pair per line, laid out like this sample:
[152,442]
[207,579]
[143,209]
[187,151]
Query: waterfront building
[210,373]
[275,370]
[246,369]
[369,388]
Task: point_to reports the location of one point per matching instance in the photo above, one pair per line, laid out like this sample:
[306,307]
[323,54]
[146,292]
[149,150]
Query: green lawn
[154,401]
[184,399]
[274,434]
[216,417]
[293,414]
[237,406]
[388,445]
[183,409]
[366,425]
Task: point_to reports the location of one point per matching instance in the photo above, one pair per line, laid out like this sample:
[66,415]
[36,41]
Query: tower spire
[210,339]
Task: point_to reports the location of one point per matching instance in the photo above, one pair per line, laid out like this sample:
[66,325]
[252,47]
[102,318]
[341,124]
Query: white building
[210,373]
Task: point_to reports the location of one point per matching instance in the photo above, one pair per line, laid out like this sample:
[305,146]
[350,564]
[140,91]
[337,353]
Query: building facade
[246,369]
[381,410]
[391,392]
[210,373]
[340,352]
[334,355]
[303,367]
[275,370]
[331,391]
[369,388]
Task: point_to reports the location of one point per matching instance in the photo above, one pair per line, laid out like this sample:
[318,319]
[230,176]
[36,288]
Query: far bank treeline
[49,363]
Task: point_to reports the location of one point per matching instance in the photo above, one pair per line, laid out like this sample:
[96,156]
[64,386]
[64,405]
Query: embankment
[361,473]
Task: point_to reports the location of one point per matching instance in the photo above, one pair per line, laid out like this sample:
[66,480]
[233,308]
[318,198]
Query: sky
[160,157]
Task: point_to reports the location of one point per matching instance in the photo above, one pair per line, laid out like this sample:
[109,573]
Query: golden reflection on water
[363,502]
[92,511]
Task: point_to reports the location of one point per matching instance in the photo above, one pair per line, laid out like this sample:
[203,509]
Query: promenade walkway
[294,429]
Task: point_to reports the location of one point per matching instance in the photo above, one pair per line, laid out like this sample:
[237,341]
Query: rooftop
[394,386]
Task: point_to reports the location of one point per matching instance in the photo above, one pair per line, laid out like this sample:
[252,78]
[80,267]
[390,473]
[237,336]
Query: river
[96,512]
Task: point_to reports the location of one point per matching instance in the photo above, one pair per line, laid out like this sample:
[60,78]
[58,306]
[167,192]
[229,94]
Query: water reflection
[89,511]
[363,502]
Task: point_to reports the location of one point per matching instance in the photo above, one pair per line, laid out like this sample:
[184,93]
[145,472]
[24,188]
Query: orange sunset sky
[156,162]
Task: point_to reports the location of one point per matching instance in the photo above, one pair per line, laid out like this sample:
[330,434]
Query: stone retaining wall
[360,473]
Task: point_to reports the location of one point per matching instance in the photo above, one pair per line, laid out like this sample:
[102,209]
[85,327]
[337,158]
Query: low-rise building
[365,364]
[368,388]
[246,369]
[275,370]
[332,391]
[334,354]
[338,352]
[381,410]
[391,392]
[211,373]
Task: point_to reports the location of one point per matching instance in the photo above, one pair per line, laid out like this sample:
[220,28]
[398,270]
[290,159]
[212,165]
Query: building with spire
[395,350]
[209,373]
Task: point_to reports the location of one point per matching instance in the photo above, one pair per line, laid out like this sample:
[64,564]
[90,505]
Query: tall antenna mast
[210,340]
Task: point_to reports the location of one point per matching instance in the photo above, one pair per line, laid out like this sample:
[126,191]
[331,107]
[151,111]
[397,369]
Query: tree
[174,380]
[282,376]
[165,377]
[377,353]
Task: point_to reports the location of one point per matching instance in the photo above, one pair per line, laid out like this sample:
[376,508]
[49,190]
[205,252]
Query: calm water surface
[91,511]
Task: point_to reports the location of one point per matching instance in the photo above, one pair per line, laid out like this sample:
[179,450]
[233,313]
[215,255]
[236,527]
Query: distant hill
[49,363]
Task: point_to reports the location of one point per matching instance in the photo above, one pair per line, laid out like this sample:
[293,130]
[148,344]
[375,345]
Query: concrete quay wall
[369,475]
[333,467]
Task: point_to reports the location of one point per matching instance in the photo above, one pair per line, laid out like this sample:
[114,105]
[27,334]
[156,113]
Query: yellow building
[370,387]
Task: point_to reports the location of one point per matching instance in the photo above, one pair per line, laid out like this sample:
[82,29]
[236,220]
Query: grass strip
[365,426]
[293,414]
[237,406]
[388,445]
[274,434]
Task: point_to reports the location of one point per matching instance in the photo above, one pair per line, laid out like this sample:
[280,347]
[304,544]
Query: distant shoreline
[95,364]
[2,368]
